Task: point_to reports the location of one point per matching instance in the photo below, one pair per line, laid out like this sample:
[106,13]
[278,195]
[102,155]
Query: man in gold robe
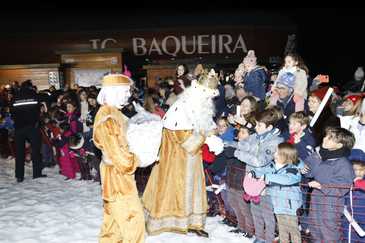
[123,213]
[175,198]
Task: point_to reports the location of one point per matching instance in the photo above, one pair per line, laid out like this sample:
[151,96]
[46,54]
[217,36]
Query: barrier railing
[302,215]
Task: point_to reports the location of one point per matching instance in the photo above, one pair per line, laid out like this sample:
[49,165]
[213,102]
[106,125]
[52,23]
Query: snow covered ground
[53,210]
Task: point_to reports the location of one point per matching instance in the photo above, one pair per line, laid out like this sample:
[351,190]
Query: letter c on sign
[103,43]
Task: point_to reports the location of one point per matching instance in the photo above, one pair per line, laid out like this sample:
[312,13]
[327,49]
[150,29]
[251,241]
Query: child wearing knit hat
[301,81]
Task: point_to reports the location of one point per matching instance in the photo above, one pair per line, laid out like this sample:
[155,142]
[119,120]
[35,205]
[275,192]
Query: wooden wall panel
[39,75]
[154,72]
[92,61]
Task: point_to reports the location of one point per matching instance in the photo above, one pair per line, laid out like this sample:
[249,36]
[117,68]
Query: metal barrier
[318,217]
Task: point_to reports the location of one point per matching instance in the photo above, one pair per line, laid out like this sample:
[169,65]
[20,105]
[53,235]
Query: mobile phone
[324,78]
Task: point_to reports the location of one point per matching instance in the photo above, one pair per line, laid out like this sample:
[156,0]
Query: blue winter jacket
[258,150]
[229,135]
[255,82]
[283,188]
[306,145]
[335,175]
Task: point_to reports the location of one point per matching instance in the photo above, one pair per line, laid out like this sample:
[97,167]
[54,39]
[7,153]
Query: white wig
[116,96]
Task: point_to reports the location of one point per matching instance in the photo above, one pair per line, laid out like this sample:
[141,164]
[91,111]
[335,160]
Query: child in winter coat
[226,133]
[68,165]
[73,117]
[257,152]
[300,135]
[224,130]
[79,153]
[333,175]
[355,200]
[302,138]
[236,171]
[282,179]
[217,164]
[254,78]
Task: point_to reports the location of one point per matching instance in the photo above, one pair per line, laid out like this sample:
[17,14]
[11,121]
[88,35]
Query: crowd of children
[302,173]
[278,176]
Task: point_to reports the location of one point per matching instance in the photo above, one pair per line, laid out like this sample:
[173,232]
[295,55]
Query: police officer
[26,111]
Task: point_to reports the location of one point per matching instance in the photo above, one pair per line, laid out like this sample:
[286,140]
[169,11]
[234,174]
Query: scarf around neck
[334,154]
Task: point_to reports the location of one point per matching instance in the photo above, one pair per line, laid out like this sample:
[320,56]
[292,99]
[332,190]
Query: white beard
[193,110]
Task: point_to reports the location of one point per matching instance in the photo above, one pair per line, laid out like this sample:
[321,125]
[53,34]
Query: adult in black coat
[26,114]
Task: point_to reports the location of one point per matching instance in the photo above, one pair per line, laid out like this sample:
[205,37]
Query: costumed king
[175,198]
[123,220]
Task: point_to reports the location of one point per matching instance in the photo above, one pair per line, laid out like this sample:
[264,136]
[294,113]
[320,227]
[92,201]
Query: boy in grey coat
[258,153]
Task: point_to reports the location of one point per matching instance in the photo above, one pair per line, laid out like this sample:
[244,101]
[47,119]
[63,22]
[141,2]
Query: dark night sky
[330,40]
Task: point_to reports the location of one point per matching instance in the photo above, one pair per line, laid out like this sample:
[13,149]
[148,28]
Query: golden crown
[116,80]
